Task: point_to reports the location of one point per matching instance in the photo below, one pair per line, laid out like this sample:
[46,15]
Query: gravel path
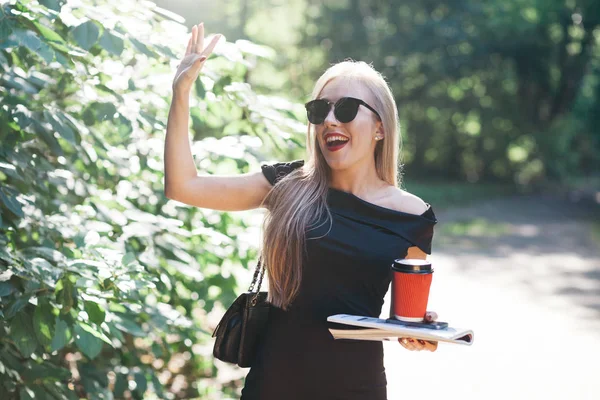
[528,284]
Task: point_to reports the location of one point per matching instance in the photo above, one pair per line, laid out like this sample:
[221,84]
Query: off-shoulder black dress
[346,271]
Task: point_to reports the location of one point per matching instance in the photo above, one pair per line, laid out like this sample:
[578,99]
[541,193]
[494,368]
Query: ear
[379,131]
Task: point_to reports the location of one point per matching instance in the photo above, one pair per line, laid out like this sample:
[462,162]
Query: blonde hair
[297,201]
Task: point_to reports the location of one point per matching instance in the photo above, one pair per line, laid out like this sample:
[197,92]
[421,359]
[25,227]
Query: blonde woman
[334,225]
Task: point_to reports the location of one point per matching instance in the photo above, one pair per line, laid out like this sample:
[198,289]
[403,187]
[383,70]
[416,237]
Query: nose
[330,118]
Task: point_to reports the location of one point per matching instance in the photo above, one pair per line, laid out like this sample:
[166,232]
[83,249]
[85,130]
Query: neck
[358,179]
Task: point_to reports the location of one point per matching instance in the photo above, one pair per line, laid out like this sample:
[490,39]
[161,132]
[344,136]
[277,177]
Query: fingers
[200,39]
[196,42]
[418,344]
[211,45]
[430,345]
[431,316]
[194,37]
[409,344]
[406,343]
[188,49]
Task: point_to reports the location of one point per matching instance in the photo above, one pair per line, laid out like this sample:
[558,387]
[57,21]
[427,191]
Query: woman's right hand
[193,61]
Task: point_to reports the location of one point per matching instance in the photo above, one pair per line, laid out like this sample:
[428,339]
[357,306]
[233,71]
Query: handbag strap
[259,273]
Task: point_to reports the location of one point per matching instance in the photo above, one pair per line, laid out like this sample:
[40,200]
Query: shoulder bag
[243,324]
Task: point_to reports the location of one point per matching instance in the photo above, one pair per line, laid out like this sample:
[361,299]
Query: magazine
[379,329]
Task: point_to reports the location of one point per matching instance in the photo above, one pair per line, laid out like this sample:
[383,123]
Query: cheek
[361,129]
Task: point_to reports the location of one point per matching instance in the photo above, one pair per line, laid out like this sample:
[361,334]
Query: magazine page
[381,329]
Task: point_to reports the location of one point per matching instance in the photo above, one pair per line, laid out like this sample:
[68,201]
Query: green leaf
[200,90]
[142,47]
[6,288]
[67,295]
[157,386]
[44,271]
[48,137]
[95,381]
[45,371]
[15,306]
[141,383]
[121,384]
[86,34]
[98,334]
[157,350]
[48,33]
[45,52]
[43,323]
[98,112]
[27,393]
[19,83]
[5,29]
[88,343]
[47,253]
[62,335]
[128,258]
[115,332]
[21,332]
[32,285]
[64,130]
[59,390]
[94,311]
[8,196]
[112,43]
[55,5]
[28,39]
[125,324]
[64,59]
[165,50]
[124,127]
[23,116]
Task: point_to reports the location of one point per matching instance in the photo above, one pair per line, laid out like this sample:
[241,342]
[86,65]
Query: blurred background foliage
[110,290]
[488,91]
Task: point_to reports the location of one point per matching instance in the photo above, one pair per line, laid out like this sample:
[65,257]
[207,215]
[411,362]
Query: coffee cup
[411,280]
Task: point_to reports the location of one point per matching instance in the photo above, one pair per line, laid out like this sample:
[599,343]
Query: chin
[337,164]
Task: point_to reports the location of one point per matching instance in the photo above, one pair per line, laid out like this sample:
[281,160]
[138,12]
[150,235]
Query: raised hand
[193,60]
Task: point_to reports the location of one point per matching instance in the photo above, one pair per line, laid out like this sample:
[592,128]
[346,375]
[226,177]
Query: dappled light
[109,289]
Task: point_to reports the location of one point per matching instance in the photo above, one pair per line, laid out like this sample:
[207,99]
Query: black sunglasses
[345,109]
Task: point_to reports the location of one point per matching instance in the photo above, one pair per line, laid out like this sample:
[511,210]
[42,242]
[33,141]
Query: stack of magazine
[369,328]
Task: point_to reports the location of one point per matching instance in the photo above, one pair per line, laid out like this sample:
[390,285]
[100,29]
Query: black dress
[346,271]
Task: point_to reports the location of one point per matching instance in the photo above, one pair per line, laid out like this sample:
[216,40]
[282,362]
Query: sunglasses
[345,109]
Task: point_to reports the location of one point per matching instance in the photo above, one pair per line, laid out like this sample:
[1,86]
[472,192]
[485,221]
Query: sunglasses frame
[335,108]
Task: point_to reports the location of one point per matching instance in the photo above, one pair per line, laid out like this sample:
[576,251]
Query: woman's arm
[182,182]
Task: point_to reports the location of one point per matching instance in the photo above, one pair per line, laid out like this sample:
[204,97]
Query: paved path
[531,293]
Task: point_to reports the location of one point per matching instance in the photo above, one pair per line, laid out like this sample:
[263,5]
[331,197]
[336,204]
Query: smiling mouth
[335,145]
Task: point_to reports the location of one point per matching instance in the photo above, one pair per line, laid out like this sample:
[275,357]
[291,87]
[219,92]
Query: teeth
[332,138]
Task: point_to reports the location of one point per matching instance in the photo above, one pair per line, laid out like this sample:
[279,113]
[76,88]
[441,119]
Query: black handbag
[243,324]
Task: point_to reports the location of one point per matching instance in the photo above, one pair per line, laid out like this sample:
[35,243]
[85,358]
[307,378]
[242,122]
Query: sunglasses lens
[317,111]
[346,109]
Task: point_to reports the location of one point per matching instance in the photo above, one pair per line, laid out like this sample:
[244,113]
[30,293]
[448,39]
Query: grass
[480,227]
[451,194]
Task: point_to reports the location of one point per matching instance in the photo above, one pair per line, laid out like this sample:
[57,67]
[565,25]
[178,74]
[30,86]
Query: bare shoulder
[401,200]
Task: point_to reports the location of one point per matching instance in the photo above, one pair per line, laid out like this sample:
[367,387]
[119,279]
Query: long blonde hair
[296,201]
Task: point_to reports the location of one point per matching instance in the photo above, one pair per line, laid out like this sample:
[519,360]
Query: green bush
[106,286]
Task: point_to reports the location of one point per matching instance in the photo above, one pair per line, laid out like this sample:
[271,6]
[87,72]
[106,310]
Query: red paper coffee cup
[411,281]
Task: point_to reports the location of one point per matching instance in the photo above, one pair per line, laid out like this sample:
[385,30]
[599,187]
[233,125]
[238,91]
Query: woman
[334,225]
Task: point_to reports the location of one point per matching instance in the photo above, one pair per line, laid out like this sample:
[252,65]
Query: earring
[378,137]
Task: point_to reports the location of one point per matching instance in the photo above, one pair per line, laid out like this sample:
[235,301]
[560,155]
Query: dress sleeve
[275,172]
[423,235]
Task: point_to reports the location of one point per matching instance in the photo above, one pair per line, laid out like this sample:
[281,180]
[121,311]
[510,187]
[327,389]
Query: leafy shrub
[106,286]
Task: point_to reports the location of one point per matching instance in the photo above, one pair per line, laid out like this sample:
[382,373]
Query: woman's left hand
[418,344]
